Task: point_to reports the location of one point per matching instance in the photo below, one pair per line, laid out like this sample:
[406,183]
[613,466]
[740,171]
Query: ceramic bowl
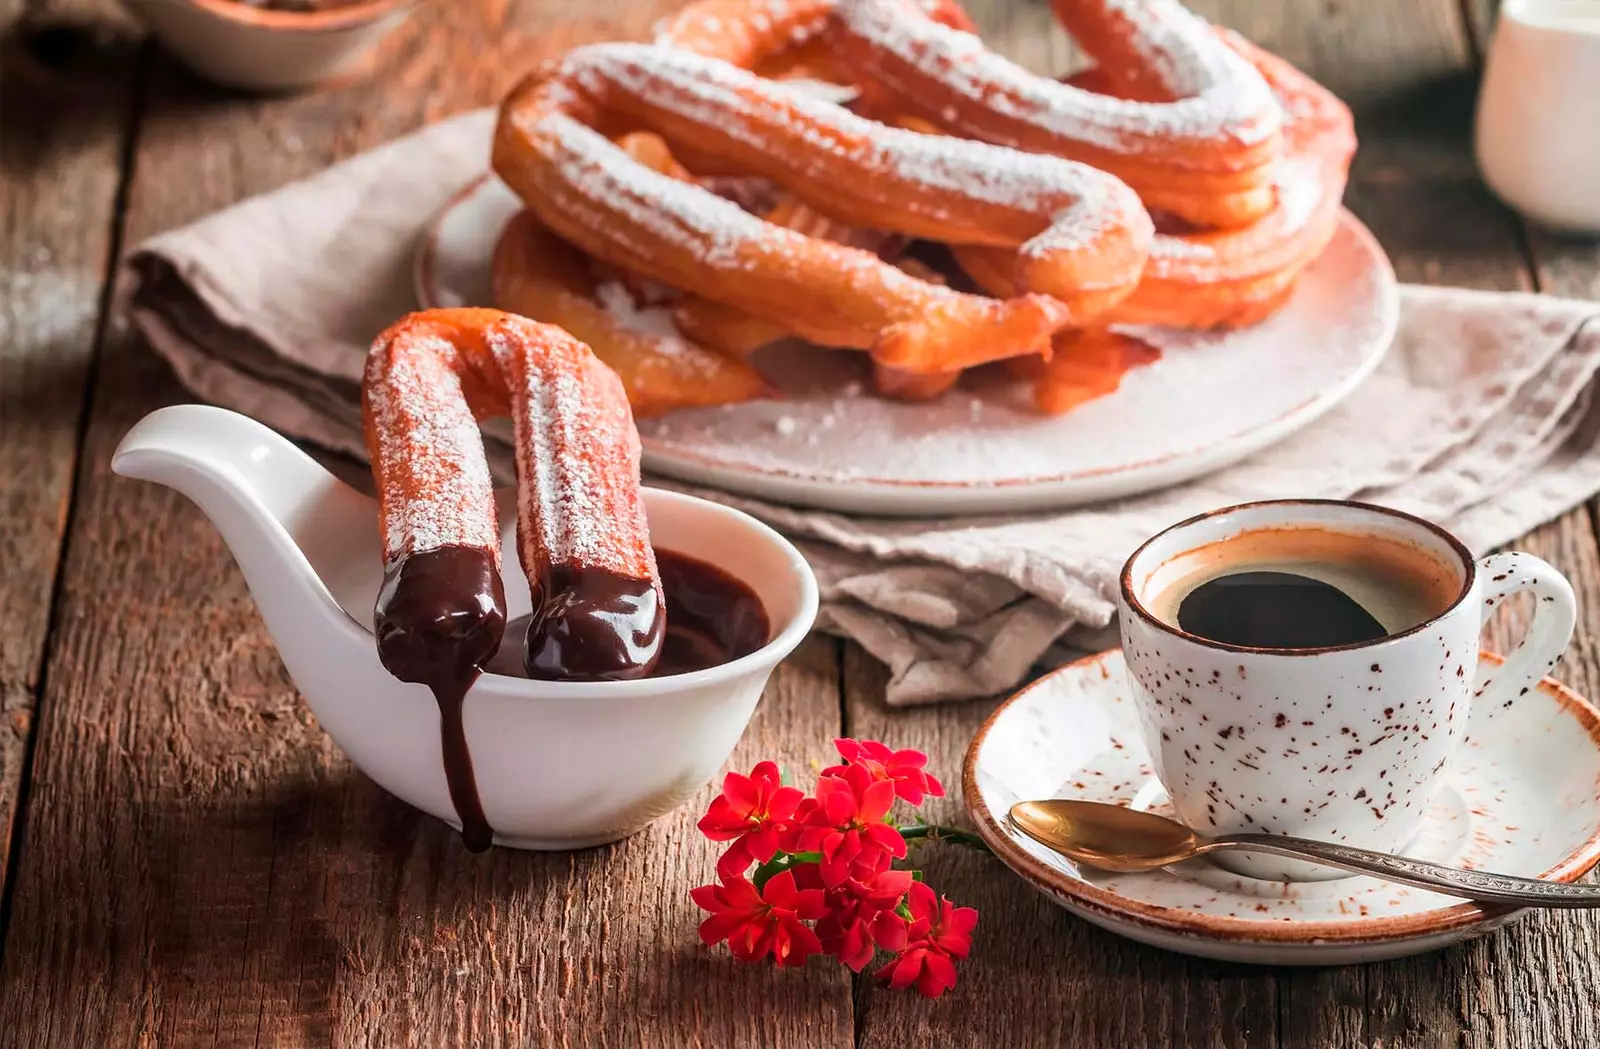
[559,765]
[268,50]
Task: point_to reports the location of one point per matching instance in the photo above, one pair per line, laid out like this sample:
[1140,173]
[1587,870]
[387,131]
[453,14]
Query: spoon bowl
[1107,837]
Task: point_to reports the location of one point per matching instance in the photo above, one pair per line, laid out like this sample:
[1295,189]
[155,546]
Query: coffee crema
[1302,588]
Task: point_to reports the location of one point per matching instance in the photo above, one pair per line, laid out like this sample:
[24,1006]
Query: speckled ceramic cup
[1343,744]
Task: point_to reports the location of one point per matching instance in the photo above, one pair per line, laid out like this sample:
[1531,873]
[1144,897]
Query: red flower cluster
[827,859]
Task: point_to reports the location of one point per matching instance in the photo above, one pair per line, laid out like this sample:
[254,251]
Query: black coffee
[1276,610]
[1302,588]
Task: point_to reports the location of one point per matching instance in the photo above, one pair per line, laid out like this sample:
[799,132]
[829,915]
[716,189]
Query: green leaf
[765,873]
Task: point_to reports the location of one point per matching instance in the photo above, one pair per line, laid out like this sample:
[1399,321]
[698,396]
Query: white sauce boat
[559,765]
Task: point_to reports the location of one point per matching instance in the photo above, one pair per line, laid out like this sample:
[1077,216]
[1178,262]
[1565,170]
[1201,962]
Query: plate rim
[1119,909]
[912,497]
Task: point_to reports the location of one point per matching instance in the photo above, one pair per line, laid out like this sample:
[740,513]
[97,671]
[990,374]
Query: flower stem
[954,835]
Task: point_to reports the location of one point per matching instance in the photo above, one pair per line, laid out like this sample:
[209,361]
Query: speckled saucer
[1522,797]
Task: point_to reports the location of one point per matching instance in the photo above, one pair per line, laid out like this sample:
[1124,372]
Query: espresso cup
[1346,743]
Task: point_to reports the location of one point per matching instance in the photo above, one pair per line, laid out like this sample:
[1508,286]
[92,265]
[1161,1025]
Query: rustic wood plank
[64,118]
[200,865]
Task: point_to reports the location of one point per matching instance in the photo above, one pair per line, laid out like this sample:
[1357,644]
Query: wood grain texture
[201,867]
[64,117]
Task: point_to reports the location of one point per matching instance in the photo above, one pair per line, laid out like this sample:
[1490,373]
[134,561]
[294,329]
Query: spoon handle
[1474,885]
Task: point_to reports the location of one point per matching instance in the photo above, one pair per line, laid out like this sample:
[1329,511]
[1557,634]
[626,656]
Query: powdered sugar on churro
[951,172]
[576,448]
[1074,208]
[577,457]
[426,438]
[1220,96]
[1303,193]
[680,213]
[645,320]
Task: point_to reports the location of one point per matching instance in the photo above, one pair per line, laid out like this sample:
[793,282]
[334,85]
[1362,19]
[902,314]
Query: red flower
[904,768]
[751,812]
[861,915]
[757,924]
[940,932]
[845,823]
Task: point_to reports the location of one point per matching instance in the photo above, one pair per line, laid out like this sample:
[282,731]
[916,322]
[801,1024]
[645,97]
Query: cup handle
[1555,614]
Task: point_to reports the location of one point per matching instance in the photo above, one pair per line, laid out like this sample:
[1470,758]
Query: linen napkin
[1480,418]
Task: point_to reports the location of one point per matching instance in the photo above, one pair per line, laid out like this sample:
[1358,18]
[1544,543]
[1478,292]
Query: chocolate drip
[593,625]
[440,616]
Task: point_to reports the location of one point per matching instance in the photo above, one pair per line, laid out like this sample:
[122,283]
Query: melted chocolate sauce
[712,619]
[441,621]
[592,625]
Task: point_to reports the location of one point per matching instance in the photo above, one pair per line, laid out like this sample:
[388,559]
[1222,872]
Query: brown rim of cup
[1132,602]
[347,16]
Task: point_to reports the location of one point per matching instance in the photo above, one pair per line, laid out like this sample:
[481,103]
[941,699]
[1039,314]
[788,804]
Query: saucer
[1522,797]
[829,442]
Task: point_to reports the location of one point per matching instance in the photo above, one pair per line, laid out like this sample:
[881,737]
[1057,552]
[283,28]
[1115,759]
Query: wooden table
[187,859]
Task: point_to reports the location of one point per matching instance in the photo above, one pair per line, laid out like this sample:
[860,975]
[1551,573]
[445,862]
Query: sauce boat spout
[290,524]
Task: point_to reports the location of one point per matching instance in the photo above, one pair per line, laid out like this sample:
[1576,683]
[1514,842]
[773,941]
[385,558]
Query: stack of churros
[692,200]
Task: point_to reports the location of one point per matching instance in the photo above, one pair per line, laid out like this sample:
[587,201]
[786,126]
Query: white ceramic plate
[1211,400]
[1522,797]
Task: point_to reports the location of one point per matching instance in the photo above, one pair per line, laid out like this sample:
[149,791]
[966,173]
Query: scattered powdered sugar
[648,320]
[1301,191]
[785,425]
[1224,98]
[655,322]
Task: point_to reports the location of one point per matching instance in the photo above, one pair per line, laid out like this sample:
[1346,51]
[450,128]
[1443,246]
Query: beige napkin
[1479,419]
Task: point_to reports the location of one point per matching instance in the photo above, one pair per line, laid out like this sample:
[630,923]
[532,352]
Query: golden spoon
[1114,838]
